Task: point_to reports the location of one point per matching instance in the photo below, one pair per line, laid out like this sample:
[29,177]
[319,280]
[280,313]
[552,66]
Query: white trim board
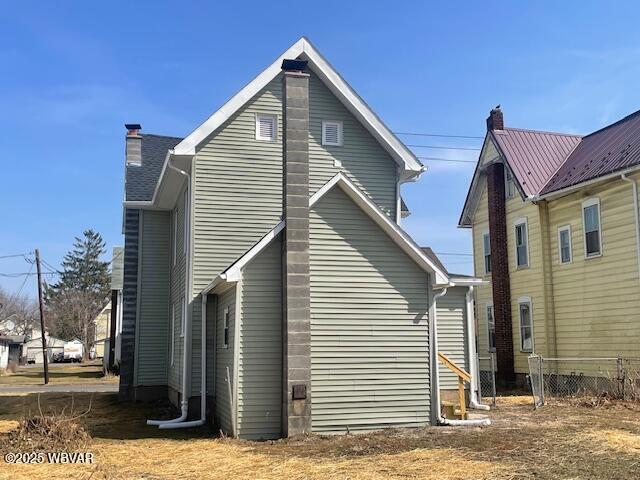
[339,87]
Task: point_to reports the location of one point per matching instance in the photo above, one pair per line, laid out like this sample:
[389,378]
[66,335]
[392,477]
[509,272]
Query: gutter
[634,187]
[180,422]
[436,374]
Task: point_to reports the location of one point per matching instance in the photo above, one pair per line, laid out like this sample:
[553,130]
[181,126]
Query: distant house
[556,235]
[101,331]
[32,349]
[266,274]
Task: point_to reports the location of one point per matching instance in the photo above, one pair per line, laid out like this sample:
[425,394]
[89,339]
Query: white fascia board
[467,281]
[399,236]
[321,67]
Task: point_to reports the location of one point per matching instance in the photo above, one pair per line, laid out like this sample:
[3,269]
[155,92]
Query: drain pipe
[436,373]
[471,350]
[203,376]
[186,350]
[634,186]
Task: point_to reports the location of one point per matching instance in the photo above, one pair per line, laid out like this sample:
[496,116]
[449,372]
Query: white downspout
[634,185]
[184,404]
[473,365]
[436,373]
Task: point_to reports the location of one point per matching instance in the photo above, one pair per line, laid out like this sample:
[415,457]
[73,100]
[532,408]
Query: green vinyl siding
[153,320]
[260,355]
[369,324]
[452,333]
[224,361]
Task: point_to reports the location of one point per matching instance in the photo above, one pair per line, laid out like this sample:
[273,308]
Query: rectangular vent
[266,127]
[332,133]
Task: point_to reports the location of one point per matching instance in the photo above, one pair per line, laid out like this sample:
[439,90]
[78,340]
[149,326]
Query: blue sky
[74,72]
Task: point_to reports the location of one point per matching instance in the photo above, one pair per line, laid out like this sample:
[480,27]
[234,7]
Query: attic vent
[332,133]
[266,127]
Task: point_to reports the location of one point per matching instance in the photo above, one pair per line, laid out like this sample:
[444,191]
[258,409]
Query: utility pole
[41,302]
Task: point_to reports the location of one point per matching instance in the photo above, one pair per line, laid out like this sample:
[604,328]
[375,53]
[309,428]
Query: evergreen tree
[81,292]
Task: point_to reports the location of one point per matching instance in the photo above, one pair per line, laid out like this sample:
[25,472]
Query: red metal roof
[605,151]
[534,156]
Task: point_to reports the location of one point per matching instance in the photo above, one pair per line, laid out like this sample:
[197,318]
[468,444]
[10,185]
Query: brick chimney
[296,418]
[500,281]
[495,120]
[133,144]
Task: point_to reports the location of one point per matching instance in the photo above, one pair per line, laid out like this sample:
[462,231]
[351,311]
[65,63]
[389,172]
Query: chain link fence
[487,384]
[618,377]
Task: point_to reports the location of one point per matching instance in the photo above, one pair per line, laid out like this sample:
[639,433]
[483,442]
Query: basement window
[486,245]
[225,335]
[266,127]
[592,230]
[522,243]
[491,327]
[332,133]
[564,244]
[526,324]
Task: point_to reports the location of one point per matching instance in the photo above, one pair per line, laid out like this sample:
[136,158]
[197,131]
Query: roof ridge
[622,120]
[562,164]
[546,132]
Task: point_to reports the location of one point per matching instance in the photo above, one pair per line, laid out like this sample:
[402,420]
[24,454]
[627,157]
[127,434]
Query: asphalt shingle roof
[141,181]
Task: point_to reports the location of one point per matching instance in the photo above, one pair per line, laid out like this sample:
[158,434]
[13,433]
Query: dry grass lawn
[59,373]
[570,440]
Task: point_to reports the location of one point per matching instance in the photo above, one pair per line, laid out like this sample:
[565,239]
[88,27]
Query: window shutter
[332,133]
[266,127]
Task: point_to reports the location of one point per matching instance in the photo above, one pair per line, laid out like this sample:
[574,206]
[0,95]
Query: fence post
[620,369]
[493,377]
[541,376]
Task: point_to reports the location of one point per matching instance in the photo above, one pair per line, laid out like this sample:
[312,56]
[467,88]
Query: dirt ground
[563,440]
[59,373]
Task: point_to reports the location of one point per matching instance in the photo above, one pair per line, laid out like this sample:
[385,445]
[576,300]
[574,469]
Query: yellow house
[554,219]
[101,330]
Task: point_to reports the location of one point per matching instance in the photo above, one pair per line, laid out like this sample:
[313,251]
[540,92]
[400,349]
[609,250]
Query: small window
[592,231]
[486,244]
[491,327]
[183,318]
[173,332]
[185,221]
[266,127]
[526,324]
[564,244]
[174,237]
[226,328]
[332,133]
[509,185]
[522,244]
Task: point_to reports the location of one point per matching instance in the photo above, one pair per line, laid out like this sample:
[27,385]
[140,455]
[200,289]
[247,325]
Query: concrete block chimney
[296,291]
[133,144]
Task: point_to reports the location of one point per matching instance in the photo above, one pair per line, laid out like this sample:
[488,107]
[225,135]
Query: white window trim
[185,223]
[173,332]
[486,314]
[588,203]
[226,325]
[340,141]
[183,318]
[485,233]
[522,301]
[565,228]
[275,126]
[518,222]
[174,248]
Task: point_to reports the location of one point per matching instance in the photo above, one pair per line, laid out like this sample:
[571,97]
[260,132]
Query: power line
[443,147]
[24,282]
[437,135]
[455,254]
[453,160]
[16,255]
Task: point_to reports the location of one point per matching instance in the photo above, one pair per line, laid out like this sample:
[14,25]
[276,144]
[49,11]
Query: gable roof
[605,151]
[141,180]
[337,85]
[534,156]
[400,237]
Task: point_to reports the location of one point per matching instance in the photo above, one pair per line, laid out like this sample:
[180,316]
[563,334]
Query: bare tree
[18,313]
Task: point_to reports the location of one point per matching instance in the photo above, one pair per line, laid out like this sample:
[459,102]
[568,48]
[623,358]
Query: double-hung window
[526,324]
[486,246]
[592,230]
[491,328]
[522,243]
[564,244]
